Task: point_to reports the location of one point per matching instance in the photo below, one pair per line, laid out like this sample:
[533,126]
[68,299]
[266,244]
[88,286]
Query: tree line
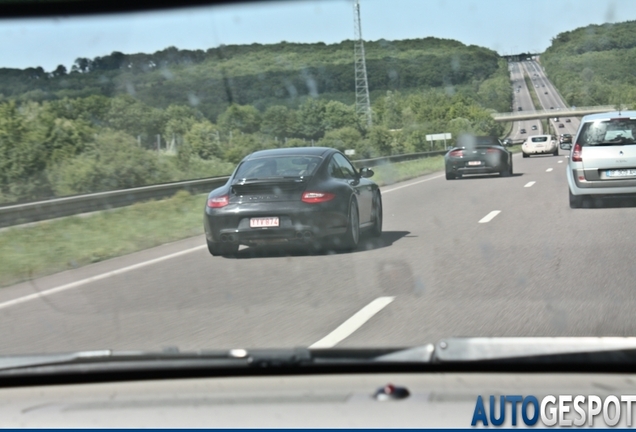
[66,144]
[593,65]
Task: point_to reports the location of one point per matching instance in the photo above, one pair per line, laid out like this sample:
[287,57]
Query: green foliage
[203,140]
[311,119]
[342,139]
[239,146]
[594,65]
[338,115]
[113,161]
[129,115]
[246,119]
[279,121]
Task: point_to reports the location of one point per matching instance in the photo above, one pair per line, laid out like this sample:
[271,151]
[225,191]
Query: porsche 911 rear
[273,210]
[478,160]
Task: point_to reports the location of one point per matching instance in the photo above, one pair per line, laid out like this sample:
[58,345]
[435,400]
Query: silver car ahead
[603,159]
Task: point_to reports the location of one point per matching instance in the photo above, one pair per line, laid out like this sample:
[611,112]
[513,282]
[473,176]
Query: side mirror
[366,172]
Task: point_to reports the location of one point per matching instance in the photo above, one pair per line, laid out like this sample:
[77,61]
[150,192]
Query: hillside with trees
[123,120]
[594,65]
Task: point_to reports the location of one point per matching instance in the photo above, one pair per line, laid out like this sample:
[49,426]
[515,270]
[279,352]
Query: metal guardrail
[72,205]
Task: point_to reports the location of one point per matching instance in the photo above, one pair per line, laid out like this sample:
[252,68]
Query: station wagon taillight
[456,153]
[576,153]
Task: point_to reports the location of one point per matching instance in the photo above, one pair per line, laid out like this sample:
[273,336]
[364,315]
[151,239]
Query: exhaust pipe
[230,238]
[224,238]
[299,235]
[307,235]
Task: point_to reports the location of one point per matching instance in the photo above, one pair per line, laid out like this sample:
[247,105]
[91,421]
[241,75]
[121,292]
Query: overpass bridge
[557,112]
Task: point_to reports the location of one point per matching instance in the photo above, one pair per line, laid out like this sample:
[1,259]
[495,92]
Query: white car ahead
[540,144]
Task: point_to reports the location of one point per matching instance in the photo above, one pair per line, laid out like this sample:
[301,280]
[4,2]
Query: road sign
[350,152]
[438,137]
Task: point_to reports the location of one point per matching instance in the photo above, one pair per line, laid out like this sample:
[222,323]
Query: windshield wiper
[604,354]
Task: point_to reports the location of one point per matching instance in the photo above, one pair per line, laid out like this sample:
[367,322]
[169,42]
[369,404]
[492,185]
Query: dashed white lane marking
[529,184]
[81,282]
[490,216]
[412,184]
[345,329]
[560,161]
[548,170]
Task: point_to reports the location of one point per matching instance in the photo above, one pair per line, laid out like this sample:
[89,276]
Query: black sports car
[477,155]
[304,195]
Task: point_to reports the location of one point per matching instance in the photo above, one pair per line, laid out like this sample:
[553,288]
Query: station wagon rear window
[539,139]
[608,132]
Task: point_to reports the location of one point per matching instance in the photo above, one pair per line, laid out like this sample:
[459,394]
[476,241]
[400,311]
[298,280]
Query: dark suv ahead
[565,141]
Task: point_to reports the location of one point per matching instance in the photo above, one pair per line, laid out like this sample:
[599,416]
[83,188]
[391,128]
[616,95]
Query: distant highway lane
[479,256]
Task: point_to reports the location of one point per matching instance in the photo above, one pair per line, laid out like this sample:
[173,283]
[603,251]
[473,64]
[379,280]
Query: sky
[507,26]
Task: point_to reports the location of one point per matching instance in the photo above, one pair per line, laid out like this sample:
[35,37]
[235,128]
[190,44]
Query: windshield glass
[608,132]
[383,218]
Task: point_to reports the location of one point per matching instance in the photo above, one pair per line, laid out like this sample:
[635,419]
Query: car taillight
[456,153]
[317,197]
[492,150]
[576,153]
[218,202]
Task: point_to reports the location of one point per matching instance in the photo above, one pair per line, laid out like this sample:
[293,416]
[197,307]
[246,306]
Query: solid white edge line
[490,216]
[560,161]
[529,184]
[85,281]
[345,329]
[411,184]
[548,170]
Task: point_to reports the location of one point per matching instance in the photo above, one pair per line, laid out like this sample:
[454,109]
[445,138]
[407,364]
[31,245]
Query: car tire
[556,152]
[221,249]
[350,239]
[508,171]
[525,155]
[376,229]
[450,176]
[576,201]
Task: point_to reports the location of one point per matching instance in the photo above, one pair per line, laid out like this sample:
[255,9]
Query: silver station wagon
[603,159]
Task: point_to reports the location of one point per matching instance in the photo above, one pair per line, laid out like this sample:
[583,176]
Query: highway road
[523,100]
[479,256]
[550,99]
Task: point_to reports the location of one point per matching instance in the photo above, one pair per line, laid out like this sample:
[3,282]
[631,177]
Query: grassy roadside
[533,93]
[53,246]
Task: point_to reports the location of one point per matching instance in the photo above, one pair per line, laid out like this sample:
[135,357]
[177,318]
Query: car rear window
[278,166]
[611,131]
[539,139]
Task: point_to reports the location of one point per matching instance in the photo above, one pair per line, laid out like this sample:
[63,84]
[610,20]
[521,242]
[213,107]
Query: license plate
[263,222]
[473,163]
[621,173]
